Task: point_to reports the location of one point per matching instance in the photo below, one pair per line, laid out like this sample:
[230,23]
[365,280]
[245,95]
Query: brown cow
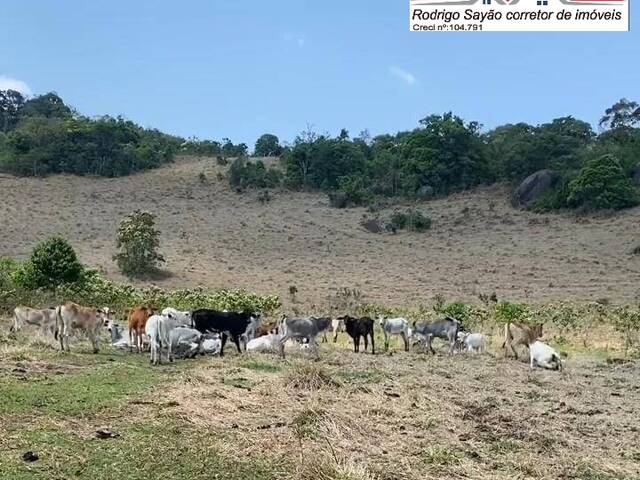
[138,317]
[72,316]
[520,334]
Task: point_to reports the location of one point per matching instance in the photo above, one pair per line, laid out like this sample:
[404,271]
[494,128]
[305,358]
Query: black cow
[228,324]
[359,327]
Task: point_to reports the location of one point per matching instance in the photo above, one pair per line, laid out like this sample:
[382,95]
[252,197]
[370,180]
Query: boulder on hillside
[532,188]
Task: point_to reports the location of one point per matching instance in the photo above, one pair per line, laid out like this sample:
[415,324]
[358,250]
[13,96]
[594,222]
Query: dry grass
[347,417]
[214,236]
[461,417]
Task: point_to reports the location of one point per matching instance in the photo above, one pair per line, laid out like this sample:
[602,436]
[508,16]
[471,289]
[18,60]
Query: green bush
[409,219]
[51,263]
[513,312]
[138,241]
[602,184]
[457,310]
[246,174]
[627,321]
[8,270]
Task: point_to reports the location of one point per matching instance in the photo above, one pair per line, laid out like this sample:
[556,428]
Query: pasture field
[216,237]
[348,416]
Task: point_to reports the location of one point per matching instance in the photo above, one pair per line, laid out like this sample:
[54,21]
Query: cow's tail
[15,326]
[282,326]
[58,322]
[507,334]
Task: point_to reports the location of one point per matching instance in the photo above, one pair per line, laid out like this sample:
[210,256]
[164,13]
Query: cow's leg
[366,342]
[324,337]
[236,340]
[373,344]
[283,340]
[356,344]
[314,345]
[335,335]
[386,341]
[223,340]
[428,345]
[513,350]
[405,340]
[94,342]
[61,337]
[452,344]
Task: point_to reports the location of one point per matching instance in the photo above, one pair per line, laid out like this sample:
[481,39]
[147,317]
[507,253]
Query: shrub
[602,184]
[512,312]
[52,262]
[8,269]
[409,219]
[457,310]
[138,241]
[352,192]
[246,174]
[627,322]
[554,199]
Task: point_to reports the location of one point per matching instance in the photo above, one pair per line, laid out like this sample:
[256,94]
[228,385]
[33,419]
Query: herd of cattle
[185,334]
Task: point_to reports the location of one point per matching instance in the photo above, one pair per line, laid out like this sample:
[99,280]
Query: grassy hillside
[214,236]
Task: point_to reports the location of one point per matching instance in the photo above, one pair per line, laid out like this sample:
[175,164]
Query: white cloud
[403,75]
[8,83]
[297,39]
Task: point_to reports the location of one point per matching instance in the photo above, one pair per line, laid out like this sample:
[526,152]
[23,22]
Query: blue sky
[237,69]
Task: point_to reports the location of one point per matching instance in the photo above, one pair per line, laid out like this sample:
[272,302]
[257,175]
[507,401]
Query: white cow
[265,343]
[45,319]
[544,356]
[158,329]
[211,344]
[395,326]
[185,342]
[119,335]
[180,318]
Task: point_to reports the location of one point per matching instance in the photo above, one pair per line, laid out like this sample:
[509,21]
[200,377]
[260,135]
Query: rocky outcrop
[533,188]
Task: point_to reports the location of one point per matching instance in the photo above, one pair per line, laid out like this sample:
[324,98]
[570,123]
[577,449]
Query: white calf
[475,342]
[544,356]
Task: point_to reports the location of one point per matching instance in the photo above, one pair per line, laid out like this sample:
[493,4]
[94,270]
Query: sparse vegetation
[244,173]
[409,219]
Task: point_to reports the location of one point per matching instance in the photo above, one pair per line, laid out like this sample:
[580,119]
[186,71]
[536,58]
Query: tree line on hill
[445,154]
[42,135]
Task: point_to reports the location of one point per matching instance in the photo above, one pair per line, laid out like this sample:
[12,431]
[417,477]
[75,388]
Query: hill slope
[214,236]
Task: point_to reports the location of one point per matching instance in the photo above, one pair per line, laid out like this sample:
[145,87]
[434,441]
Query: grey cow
[446,329]
[185,342]
[301,328]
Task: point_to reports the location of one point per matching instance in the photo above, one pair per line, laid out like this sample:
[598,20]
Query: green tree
[623,113]
[602,183]
[49,105]
[267,145]
[138,242]
[11,102]
[51,263]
